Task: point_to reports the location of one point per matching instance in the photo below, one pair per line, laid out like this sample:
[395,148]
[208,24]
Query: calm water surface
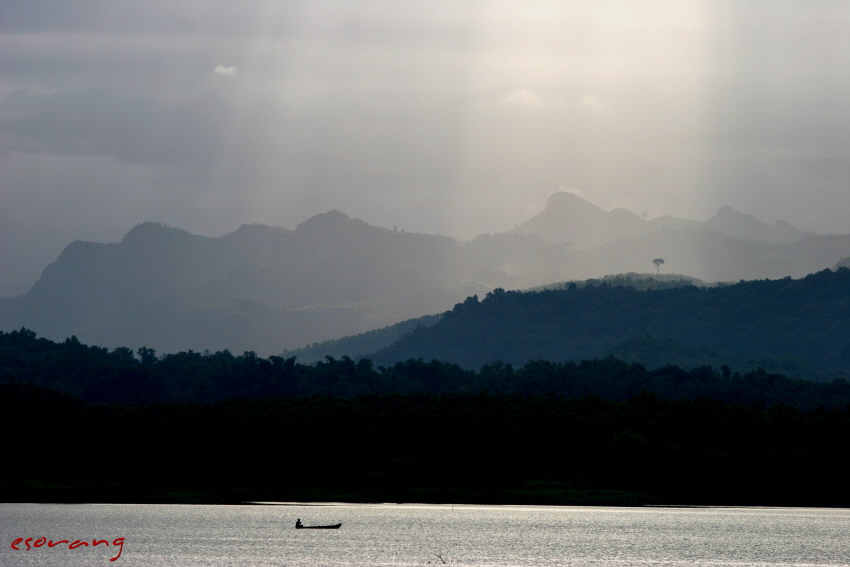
[253,536]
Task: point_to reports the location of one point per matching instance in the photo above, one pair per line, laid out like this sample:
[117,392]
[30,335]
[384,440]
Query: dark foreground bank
[474,448]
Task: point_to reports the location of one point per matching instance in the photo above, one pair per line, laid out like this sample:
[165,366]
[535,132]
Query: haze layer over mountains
[267,289]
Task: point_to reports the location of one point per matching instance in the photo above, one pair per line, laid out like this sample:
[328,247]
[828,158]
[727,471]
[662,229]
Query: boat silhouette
[300,526]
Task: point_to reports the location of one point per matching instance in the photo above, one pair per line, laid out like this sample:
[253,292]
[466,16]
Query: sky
[451,117]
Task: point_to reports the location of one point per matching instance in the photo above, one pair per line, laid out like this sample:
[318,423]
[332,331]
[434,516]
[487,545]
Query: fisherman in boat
[298,523]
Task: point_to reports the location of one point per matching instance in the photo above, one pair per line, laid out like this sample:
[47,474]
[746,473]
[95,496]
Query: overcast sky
[455,117]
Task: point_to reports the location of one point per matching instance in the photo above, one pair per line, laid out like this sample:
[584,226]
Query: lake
[385,534]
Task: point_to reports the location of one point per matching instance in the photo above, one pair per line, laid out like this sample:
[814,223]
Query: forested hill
[807,319]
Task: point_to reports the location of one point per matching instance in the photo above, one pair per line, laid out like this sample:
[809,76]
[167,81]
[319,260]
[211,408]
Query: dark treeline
[96,375]
[806,319]
[500,448]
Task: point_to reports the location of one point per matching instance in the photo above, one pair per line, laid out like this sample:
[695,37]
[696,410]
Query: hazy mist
[437,117]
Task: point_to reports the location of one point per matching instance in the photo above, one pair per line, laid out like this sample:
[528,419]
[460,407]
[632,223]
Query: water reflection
[264,535]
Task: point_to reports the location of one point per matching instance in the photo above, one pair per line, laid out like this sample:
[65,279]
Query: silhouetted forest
[361,343]
[97,375]
[424,447]
[89,425]
[807,320]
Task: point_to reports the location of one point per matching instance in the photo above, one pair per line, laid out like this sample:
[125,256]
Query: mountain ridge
[570,219]
[334,275]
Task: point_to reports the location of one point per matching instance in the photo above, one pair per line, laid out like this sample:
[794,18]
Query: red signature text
[35,543]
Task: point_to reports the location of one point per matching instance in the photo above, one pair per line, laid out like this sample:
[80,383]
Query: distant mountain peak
[566,199]
[153,230]
[570,218]
[335,224]
[255,229]
[321,220]
[742,225]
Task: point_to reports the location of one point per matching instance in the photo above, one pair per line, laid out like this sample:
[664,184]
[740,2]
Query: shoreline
[32,492]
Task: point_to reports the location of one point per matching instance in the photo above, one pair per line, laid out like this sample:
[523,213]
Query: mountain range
[570,219]
[267,289]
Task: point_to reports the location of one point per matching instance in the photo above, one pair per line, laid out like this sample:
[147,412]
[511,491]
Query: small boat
[333,527]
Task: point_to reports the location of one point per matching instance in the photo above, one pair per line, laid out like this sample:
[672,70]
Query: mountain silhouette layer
[570,219]
[807,319]
[269,289]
